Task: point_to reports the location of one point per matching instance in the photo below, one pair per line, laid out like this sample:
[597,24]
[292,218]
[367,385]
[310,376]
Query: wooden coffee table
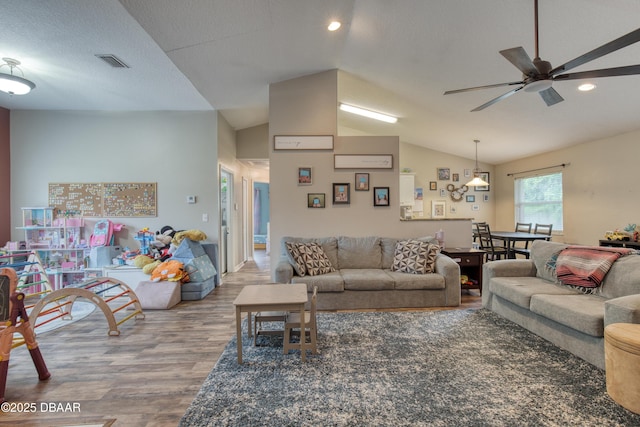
[277,297]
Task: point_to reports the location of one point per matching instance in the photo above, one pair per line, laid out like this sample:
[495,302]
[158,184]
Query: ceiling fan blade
[612,46]
[494,100]
[550,96]
[605,72]
[449,92]
[518,57]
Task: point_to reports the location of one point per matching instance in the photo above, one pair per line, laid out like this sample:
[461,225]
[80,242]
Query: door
[226,240]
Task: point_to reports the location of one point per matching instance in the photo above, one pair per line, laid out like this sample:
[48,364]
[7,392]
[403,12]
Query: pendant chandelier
[476,181]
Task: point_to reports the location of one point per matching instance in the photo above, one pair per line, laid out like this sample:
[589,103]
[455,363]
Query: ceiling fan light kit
[368,113]
[538,75]
[14,85]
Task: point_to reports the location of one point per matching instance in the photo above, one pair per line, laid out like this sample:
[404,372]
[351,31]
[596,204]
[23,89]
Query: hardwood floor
[148,375]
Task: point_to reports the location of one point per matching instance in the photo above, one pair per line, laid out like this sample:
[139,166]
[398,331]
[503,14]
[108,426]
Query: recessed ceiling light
[334,25]
[368,113]
[586,87]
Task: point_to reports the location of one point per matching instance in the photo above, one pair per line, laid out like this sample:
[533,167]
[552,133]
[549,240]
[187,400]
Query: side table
[470,261]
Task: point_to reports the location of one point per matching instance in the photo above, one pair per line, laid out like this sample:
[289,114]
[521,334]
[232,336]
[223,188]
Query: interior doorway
[226,236]
[261,216]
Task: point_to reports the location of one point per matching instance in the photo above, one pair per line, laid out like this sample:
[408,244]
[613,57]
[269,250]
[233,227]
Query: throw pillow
[414,257]
[315,260]
[295,258]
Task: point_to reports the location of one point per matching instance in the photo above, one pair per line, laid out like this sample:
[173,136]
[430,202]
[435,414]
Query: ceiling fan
[538,75]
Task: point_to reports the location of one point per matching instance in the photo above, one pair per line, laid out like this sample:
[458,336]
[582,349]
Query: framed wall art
[444,174]
[438,208]
[485,177]
[380,196]
[363,161]
[304,176]
[303,142]
[341,194]
[433,185]
[362,182]
[315,200]
[471,199]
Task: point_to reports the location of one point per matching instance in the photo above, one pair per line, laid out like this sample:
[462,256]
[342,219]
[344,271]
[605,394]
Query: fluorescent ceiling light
[334,25]
[368,113]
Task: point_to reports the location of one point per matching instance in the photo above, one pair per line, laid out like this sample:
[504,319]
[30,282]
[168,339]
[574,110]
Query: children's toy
[14,319]
[171,270]
[145,237]
[103,233]
[195,235]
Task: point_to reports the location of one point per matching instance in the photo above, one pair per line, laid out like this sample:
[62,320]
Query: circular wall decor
[456,194]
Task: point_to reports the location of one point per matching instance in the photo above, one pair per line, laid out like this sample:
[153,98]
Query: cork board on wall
[110,199]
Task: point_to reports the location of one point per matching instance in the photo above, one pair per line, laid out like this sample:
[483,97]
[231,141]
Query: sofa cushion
[359,252]
[519,290]
[366,279]
[406,281]
[584,313]
[295,258]
[544,254]
[330,282]
[414,257]
[314,258]
[329,245]
[388,245]
[623,278]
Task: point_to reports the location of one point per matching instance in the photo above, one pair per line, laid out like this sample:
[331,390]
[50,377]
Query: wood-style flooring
[148,375]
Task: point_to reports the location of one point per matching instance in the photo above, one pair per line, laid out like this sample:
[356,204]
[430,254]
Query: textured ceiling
[396,56]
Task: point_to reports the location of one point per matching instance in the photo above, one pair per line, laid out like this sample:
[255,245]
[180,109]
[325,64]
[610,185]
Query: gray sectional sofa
[363,278]
[528,293]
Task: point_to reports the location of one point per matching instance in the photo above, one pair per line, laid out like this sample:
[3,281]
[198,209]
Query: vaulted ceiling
[400,56]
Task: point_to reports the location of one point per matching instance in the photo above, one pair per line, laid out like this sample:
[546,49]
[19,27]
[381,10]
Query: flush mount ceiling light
[476,181]
[368,113]
[334,25]
[14,85]
[586,87]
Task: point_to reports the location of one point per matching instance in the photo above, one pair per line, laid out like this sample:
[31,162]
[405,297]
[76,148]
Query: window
[538,199]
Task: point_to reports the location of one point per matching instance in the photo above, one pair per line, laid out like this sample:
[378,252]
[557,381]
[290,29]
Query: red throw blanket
[586,266]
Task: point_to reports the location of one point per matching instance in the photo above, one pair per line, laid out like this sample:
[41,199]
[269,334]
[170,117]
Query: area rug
[79,310]
[443,368]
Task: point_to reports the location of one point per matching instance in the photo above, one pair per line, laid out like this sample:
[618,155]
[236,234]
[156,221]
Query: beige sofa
[529,293]
[363,278]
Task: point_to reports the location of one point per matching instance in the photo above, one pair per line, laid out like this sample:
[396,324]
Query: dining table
[510,237]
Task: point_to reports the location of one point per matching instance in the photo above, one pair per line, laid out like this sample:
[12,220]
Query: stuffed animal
[195,235]
[171,270]
[148,269]
[142,260]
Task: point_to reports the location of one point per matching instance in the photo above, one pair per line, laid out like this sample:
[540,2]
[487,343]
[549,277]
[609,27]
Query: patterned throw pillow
[414,257]
[295,258]
[315,260]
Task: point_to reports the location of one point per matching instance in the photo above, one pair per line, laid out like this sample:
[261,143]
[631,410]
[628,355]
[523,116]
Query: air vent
[113,60]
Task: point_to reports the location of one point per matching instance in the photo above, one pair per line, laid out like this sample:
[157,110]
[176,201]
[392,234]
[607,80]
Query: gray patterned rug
[443,368]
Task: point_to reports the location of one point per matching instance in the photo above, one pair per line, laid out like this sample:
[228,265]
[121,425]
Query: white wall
[600,187]
[177,150]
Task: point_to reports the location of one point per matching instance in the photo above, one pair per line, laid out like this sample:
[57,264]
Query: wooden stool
[622,363]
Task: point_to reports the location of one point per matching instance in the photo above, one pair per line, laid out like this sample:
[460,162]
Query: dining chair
[474,230]
[521,227]
[493,250]
[267,317]
[292,328]
[538,229]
